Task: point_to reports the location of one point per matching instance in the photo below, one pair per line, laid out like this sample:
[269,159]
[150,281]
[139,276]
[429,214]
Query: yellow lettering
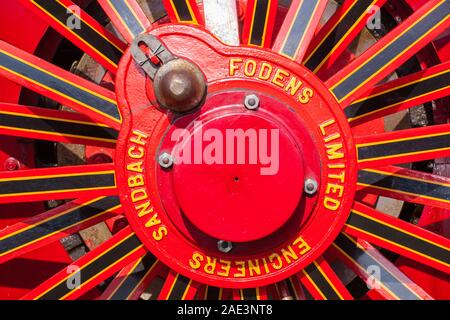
[250,68]
[195,262]
[233,66]
[279,76]
[225,266]
[265,72]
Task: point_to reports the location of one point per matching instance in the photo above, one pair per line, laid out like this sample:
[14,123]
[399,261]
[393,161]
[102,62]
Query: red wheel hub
[221,185]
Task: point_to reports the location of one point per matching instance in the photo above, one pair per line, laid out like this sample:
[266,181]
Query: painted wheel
[247,150]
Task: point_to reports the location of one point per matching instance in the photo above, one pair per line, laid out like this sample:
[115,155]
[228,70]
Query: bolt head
[224,246]
[251,102]
[180,86]
[165,160]
[311,186]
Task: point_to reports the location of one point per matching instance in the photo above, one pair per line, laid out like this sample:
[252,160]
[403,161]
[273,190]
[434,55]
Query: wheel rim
[102,114]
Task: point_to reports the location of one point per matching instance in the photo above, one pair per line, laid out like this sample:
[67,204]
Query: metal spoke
[358,77]
[377,271]
[57,183]
[62,86]
[403,146]
[134,279]
[183,11]
[178,287]
[250,294]
[322,283]
[407,185]
[50,226]
[290,289]
[259,22]
[89,35]
[54,125]
[400,237]
[298,28]
[337,34]
[127,17]
[400,94]
[93,268]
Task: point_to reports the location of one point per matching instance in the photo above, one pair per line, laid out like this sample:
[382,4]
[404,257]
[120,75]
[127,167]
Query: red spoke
[400,94]
[377,271]
[57,183]
[390,52]
[183,11]
[127,17]
[91,269]
[337,34]
[178,287]
[214,293]
[54,125]
[259,22]
[89,36]
[290,289]
[50,226]
[62,86]
[134,279]
[298,28]
[407,185]
[403,146]
[322,283]
[250,294]
[400,237]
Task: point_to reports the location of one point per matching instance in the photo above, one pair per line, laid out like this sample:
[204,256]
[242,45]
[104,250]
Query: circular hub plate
[255,197]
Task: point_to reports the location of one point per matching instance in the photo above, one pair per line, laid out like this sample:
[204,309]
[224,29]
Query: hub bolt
[251,102]
[311,186]
[224,246]
[165,160]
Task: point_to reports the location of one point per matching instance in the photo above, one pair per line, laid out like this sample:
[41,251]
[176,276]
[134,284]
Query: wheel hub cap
[266,126]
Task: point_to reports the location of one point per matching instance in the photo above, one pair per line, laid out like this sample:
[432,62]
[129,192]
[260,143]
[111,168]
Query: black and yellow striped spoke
[57,84]
[251,294]
[213,293]
[57,183]
[406,92]
[178,287]
[88,34]
[336,35]
[322,282]
[406,185]
[390,52]
[183,11]
[400,237]
[298,28]
[55,224]
[127,17]
[132,280]
[378,272]
[53,125]
[289,289]
[259,21]
[403,146]
[91,269]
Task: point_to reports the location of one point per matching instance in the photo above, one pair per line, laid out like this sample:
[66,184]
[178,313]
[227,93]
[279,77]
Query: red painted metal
[181,204]
[147,126]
